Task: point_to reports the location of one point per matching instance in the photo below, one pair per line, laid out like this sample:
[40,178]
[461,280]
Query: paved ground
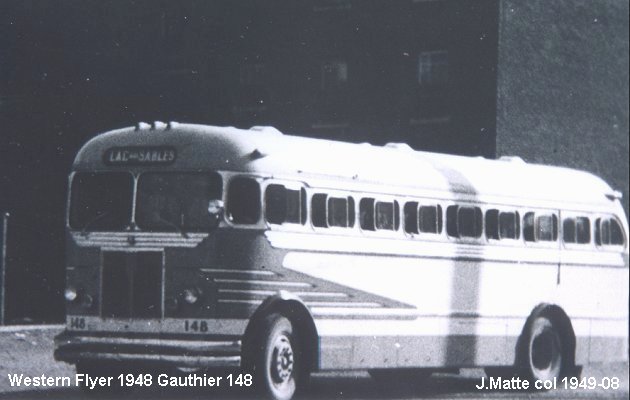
[29,352]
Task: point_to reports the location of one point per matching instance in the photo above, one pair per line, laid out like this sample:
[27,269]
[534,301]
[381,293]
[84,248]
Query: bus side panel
[467,313]
[593,287]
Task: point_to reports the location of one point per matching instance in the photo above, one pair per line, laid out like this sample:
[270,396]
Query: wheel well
[296,312]
[561,320]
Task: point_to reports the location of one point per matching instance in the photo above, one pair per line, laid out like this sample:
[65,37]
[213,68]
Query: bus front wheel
[277,363]
[545,353]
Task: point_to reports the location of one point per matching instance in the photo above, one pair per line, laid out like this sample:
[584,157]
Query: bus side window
[616,234]
[583,230]
[294,206]
[464,221]
[243,201]
[528,227]
[430,219]
[608,232]
[284,205]
[351,211]
[509,227]
[410,211]
[318,210]
[568,230]
[492,224]
[451,221]
[384,216]
[576,230]
[366,214]
[303,206]
[547,228]
[275,204]
[339,209]
[469,222]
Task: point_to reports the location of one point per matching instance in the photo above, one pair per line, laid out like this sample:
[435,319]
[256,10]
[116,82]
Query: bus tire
[278,366]
[545,355]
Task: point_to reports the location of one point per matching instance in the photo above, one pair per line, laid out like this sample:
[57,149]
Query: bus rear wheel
[278,366]
[545,356]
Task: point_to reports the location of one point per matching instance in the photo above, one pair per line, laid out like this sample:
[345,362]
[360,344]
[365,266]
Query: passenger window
[509,226]
[547,228]
[384,216]
[284,205]
[469,222]
[528,227]
[576,230]
[502,225]
[492,224]
[243,201]
[366,214]
[318,210]
[568,230]
[410,211]
[430,219]
[616,234]
[583,230]
[464,221]
[350,211]
[608,232]
[332,211]
[338,212]
[451,221]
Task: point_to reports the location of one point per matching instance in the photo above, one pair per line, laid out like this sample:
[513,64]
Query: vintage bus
[197,246]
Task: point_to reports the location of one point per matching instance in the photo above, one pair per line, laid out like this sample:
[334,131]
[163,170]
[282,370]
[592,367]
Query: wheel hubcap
[282,360]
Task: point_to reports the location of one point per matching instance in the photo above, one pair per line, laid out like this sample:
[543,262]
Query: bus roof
[266,150]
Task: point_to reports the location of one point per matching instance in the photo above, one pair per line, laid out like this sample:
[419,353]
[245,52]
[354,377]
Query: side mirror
[215,210]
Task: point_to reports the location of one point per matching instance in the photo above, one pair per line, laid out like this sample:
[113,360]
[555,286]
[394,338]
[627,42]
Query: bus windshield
[101,201]
[176,201]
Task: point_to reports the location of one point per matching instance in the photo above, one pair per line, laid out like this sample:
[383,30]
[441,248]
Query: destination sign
[140,155]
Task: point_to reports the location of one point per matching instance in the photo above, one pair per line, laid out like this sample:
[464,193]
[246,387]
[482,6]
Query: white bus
[200,246]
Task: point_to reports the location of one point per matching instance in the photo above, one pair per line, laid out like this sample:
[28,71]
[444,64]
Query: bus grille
[132,285]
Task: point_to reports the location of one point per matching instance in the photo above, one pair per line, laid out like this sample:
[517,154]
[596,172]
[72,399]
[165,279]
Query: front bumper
[73,347]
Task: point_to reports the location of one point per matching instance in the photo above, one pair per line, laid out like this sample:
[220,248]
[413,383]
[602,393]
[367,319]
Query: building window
[433,68]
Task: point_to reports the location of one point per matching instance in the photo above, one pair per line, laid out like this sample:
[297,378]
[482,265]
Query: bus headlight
[191,296]
[70,294]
